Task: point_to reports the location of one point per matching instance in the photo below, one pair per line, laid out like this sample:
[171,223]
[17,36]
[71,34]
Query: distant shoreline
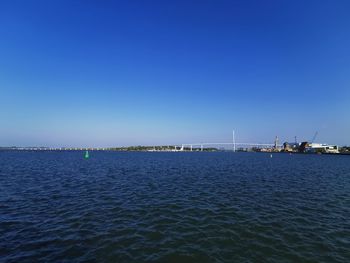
[126,149]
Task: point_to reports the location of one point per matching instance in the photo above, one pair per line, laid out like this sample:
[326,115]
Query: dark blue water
[174,207]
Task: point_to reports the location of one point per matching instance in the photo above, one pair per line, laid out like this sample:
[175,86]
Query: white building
[322,148]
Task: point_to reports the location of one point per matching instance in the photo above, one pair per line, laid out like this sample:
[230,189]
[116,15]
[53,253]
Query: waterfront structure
[303,147]
[276,146]
[321,148]
[291,147]
[310,147]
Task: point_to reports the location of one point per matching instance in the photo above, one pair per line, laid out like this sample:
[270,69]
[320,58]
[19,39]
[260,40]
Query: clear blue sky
[108,73]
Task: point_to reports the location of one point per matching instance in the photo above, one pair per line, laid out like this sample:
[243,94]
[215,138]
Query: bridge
[234,144]
[174,148]
[56,148]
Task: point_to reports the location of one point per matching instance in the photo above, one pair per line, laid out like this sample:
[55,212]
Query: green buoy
[86,156]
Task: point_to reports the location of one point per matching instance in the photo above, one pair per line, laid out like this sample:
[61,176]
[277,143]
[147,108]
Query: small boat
[86,156]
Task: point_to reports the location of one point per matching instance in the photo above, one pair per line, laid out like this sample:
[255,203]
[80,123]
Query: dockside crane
[314,138]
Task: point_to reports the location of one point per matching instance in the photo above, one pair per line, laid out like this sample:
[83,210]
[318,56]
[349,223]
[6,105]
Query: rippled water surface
[174,207]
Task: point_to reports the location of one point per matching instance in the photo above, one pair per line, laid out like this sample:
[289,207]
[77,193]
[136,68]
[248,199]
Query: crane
[314,138]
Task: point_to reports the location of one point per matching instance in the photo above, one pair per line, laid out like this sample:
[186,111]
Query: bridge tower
[276,143]
[234,141]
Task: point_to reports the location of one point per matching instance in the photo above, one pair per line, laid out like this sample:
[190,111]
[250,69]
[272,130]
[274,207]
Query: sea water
[174,207]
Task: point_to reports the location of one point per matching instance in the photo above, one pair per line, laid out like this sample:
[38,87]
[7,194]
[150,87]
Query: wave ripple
[174,207]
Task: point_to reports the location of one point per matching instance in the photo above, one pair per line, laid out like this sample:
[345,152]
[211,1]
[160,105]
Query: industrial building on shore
[306,147]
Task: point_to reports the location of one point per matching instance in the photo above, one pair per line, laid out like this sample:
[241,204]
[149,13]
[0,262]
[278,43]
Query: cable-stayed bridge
[172,147]
[233,143]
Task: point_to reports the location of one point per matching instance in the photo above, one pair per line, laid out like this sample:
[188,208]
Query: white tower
[234,141]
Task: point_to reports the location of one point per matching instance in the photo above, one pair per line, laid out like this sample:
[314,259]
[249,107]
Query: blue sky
[108,73]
